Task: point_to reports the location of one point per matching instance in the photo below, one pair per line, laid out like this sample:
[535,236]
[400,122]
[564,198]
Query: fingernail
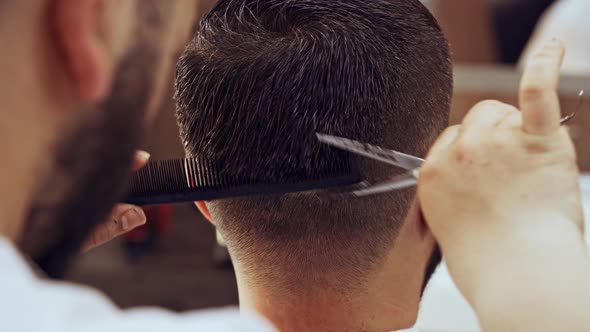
[143,156]
[132,218]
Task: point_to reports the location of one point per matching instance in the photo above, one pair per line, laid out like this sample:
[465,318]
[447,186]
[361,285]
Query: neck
[389,301]
[330,312]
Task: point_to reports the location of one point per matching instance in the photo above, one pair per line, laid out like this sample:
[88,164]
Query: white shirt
[31,304]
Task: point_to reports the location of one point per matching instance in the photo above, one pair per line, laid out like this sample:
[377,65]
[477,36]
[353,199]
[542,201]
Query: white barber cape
[31,304]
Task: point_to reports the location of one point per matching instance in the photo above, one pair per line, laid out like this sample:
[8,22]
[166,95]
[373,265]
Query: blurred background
[175,261]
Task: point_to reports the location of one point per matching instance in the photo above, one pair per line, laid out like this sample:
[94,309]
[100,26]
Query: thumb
[440,147]
[538,96]
[140,160]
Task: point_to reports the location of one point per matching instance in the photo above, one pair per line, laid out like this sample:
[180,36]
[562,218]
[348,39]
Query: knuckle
[113,226]
[429,172]
[550,52]
[460,153]
[452,130]
[536,147]
[542,62]
[493,109]
[464,148]
[94,239]
[544,55]
[490,103]
[500,142]
[532,91]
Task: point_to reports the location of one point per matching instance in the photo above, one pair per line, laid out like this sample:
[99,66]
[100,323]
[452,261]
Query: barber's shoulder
[51,305]
[89,306]
[39,304]
[90,309]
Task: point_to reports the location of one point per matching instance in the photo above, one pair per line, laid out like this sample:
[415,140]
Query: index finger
[123,219]
[444,141]
[538,96]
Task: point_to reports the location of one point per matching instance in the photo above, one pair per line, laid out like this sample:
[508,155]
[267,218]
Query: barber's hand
[505,166]
[124,217]
[501,194]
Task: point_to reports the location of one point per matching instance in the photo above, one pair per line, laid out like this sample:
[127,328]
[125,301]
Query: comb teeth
[183,180]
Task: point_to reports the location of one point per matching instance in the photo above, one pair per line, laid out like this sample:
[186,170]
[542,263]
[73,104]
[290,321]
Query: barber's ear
[88,34]
[204,211]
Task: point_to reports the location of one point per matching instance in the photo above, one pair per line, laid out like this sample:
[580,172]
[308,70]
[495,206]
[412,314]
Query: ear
[416,217]
[202,206]
[82,31]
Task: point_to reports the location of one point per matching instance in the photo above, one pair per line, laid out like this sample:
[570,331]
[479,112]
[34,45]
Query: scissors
[404,161]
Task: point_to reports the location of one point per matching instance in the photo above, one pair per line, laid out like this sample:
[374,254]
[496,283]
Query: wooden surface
[468,27]
[474,84]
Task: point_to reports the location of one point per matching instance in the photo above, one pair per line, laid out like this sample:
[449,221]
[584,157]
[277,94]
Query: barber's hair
[263,76]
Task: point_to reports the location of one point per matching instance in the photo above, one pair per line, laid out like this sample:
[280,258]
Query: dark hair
[263,76]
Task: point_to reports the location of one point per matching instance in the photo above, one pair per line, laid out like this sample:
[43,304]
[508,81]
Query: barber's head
[263,76]
[90,74]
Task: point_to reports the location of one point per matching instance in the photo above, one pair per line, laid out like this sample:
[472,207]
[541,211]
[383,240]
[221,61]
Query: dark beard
[90,171]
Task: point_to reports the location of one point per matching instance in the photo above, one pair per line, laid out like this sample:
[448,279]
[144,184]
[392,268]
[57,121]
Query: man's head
[93,71]
[263,76]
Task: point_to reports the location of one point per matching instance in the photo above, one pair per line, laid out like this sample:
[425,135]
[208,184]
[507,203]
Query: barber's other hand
[502,165]
[124,217]
[501,194]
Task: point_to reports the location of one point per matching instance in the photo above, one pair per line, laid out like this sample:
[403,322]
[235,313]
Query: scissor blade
[391,157]
[398,183]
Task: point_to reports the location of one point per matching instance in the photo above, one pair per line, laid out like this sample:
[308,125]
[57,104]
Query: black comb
[187,180]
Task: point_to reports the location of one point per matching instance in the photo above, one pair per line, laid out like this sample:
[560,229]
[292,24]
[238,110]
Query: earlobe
[202,206]
[85,52]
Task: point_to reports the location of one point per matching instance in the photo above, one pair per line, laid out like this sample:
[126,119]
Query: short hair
[263,76]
